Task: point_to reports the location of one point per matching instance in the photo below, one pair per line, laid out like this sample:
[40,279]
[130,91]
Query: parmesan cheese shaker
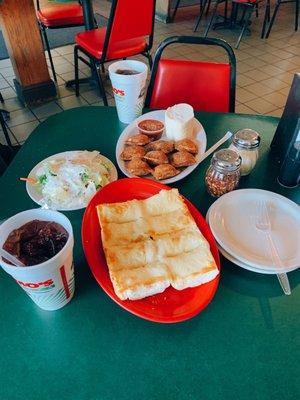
[246,143]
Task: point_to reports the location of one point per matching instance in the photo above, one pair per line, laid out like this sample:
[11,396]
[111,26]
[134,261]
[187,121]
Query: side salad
[71,182]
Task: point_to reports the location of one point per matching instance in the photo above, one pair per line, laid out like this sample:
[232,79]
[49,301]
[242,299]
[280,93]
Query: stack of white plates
[233,220]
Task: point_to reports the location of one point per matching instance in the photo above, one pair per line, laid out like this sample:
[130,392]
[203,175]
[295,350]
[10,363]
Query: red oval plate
[170,306]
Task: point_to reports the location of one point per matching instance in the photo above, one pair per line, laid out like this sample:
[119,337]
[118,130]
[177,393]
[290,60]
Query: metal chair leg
[202,8]
[211,19]
[296,15]
[100,83]
[266,18]
[48,50]
[234,14]
[3,165]
[225,9]
[247,18]
[175,11]
[5,131]
[243,14]
[273,19]
[76,71]
[149,60]
[269,11]
[208,7]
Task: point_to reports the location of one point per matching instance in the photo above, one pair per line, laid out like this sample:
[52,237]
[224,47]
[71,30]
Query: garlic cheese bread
[153,243]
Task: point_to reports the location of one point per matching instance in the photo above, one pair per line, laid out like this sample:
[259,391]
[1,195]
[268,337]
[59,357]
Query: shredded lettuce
[73,181]
[42,179]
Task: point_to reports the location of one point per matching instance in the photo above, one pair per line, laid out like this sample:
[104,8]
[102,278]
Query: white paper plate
[243,265]
[238,262]
[34,192]
[232,219]
[199,137]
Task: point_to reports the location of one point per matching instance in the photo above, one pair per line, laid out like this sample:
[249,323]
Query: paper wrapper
[179,121]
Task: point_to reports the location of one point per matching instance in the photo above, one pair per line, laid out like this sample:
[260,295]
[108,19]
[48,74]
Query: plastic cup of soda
[49,284]
[128,80]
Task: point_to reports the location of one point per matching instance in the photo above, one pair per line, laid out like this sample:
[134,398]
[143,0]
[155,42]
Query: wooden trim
[23,41]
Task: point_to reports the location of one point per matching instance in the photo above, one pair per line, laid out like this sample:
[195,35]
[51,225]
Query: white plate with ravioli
[198,136]
[67,181]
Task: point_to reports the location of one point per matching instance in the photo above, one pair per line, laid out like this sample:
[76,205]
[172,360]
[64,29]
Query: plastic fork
[263,223]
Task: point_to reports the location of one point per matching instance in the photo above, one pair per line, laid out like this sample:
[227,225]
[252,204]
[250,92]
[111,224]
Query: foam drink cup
[129,89]
[49,284]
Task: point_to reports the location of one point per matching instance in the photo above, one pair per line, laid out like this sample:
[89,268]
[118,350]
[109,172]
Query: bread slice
[137,283]
[192,268]
[153,243]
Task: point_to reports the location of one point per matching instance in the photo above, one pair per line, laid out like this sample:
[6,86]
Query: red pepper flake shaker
[223,174]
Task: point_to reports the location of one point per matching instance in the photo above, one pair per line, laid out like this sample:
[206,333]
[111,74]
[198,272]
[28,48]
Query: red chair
[207,86]
[56,17]
[129,32]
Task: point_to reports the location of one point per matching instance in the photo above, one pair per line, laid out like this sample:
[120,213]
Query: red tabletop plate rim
[129,305]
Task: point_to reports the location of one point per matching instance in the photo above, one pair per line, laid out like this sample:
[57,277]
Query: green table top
[245,344]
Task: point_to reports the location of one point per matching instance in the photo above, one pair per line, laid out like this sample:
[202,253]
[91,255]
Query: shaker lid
[246,139]
[226,160]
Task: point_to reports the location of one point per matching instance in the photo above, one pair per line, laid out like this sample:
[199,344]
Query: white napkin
[179,121]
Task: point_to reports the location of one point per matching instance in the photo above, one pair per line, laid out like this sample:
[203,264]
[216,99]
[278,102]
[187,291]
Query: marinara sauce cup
[151,127]
[49,284]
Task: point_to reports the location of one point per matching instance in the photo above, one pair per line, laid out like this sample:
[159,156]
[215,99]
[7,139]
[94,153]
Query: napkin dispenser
[286,142]
[289,174]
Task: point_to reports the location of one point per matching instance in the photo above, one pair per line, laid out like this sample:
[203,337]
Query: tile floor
[265,69]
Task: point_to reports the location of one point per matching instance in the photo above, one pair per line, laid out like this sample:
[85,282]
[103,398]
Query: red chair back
[175,83]
[130,19]
[207,86]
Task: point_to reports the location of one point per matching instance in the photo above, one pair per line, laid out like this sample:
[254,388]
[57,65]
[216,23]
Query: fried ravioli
[132,151]
[139,139]
[166,146]
[186,145]
[138,167]
[164,171]
[182,159]
[156,157]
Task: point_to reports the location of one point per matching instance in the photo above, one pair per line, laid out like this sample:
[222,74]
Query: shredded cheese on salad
[71,182]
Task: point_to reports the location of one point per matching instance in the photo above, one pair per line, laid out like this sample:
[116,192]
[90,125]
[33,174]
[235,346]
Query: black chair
[57,17]
[278,4]
[3,164]
[205,85]
[4,115]
[248,6]
[206,5]
[8,151]
[202,4]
